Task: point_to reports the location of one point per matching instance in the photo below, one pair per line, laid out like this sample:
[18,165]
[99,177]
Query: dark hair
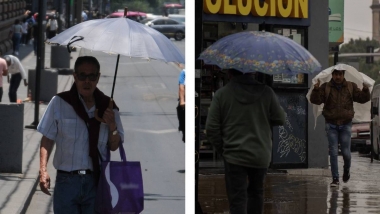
[17,21]
[86,59]
[235,72]
[7,59]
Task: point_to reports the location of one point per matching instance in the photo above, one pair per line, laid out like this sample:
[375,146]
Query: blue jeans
[74,194]
[16,39]
[245,196]
[339,134]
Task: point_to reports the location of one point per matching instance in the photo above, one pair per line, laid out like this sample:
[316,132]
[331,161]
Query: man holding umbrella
[81,140]
[239,125]
[338,97]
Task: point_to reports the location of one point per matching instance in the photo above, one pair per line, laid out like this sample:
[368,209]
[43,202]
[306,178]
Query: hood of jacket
[246,89]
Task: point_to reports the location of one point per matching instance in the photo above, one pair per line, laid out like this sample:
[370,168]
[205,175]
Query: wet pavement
[289,194]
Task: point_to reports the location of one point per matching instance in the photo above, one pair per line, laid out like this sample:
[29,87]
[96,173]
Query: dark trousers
[181,120]
[13,86]
[1,93]
[245,196]
[35,45]
[52,33]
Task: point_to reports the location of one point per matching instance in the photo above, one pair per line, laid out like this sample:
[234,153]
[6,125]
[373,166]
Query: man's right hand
[45,182]
[316,85]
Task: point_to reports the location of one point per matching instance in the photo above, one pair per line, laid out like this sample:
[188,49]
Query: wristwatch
[115,132]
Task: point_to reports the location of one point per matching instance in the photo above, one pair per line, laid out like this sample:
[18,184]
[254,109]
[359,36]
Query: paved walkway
[17,189]
[303,190]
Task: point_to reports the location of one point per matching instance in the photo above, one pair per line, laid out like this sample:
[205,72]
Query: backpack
[328,89]
[30,23]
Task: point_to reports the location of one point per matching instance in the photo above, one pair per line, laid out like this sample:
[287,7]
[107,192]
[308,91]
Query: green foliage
[360,46]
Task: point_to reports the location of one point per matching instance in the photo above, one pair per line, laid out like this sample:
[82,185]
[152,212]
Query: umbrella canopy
[362,111]
[120,36]
[252,51]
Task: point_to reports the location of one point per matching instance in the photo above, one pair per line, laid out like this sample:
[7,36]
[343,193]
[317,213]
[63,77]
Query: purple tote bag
[120,188]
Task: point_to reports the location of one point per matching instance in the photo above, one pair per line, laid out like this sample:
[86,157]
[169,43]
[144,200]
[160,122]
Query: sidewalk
[285,192]
[17,189]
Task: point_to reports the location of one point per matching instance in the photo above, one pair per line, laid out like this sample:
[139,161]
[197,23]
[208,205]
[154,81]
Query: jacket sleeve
[214,125]
[277,114]
[360,96]
[317,96]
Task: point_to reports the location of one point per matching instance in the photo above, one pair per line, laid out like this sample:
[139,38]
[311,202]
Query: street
[289,194]
[146,93]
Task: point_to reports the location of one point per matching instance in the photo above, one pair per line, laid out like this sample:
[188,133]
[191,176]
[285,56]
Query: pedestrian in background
[17,72]
[84,16]
[239,125]
[181,102]
[80,139]
[3,72]
[15,34]
[24,31]
[31,22]
[338,97]
[53,26]
[35,36]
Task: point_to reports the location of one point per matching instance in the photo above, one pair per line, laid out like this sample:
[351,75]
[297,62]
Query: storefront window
[297,35]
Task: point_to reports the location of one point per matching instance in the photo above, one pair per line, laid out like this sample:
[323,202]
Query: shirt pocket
[68,128]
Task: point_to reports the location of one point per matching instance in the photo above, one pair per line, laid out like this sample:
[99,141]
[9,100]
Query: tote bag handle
[122,153]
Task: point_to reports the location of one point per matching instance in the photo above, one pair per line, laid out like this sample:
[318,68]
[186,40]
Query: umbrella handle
[71,42]
[110,106]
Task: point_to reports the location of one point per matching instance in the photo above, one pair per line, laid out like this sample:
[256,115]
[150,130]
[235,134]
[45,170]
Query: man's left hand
[109,117]
[366,84]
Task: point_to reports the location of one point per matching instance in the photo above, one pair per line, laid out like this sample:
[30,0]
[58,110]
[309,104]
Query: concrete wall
[318,45]
[10,10]
[60,57]
[11,137]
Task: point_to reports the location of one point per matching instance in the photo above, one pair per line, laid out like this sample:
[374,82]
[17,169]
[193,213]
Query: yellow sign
[275,8]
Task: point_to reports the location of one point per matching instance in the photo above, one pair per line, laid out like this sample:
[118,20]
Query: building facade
[10,10]
[375,20]
[299,145]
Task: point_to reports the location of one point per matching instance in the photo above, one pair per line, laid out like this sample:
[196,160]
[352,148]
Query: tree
[360,46]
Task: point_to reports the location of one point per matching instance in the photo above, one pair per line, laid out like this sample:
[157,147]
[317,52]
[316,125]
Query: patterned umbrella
[255,51]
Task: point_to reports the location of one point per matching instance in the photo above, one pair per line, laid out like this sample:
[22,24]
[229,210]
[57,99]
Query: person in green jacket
[239,125]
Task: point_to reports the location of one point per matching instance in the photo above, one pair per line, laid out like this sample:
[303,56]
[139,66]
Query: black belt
[77,172]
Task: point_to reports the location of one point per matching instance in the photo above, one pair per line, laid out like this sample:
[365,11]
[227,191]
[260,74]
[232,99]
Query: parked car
[361,137]
[178,17]
[169,27]
[133,15]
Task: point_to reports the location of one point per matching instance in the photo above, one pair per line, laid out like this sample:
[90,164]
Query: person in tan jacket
[338,97]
